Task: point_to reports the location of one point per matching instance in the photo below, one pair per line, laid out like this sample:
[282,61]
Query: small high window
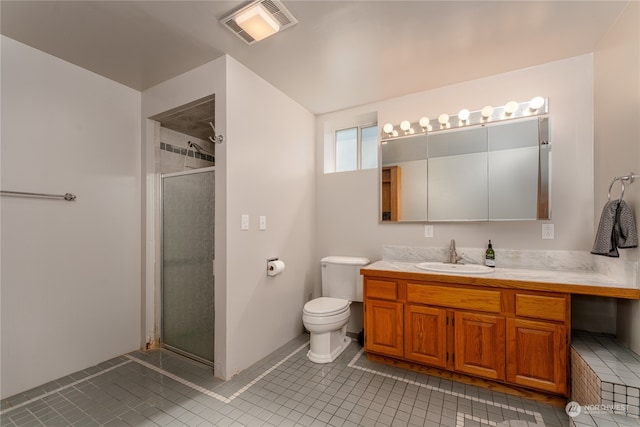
[356,148]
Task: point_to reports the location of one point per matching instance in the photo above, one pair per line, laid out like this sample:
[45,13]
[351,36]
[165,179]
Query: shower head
[197,147]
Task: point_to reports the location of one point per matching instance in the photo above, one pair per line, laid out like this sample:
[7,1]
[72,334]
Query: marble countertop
[577,282]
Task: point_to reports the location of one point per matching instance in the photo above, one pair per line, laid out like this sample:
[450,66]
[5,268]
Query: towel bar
[626,178]
[67,196]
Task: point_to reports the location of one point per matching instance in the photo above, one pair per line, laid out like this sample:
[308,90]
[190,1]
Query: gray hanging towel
[605,243]
[617,228]
[625,227]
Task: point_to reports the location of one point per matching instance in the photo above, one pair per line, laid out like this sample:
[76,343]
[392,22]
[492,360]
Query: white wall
[617,135]
[270,172]
[264,167]
[348,199]
[70,280]
[348,203]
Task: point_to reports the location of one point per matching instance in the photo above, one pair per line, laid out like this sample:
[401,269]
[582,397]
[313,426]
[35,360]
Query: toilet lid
[325,306]
[346,260]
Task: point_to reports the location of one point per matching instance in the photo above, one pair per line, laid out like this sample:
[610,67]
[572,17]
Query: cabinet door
[479,345]
[537,355]
[425,331]
[383,327]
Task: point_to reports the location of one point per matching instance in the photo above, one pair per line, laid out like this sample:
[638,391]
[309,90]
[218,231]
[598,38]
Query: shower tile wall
[169,160]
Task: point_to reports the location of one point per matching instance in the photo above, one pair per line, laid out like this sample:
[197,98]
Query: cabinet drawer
[444,296]
[541,307]
[382,289]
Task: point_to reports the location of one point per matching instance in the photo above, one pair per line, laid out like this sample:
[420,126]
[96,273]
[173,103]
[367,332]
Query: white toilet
[326,317]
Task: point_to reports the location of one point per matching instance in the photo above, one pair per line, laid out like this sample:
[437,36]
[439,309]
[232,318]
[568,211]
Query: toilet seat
[325,306]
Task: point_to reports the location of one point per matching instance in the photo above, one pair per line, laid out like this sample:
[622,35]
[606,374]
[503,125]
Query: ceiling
[341,53]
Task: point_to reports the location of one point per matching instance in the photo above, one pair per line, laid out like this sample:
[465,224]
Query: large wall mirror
[493,172]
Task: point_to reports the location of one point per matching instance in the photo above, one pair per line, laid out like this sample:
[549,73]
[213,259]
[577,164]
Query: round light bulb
[387,128]
[424,122]
[511,107]
[464,114]
[443,119]
[487,111]
[536,103]
[405,125]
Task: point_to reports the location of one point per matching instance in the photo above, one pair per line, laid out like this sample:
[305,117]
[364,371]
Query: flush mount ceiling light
[259,20]
[258,23]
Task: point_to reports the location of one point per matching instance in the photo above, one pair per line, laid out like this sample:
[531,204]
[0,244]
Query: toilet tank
[341,277]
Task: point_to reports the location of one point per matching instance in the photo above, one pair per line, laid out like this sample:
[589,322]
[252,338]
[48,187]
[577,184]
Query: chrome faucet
[453,257]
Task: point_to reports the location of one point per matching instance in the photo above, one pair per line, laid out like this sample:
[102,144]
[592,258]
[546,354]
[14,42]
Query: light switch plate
[428,231]
[263,222]
[244,222]
[547,231]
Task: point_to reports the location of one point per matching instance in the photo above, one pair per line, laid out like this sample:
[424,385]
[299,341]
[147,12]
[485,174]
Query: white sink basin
[442,267]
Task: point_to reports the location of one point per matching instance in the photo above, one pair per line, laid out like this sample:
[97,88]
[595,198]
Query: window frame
[359,127]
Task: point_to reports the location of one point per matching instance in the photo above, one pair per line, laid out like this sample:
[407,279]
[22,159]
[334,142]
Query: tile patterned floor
[159,388]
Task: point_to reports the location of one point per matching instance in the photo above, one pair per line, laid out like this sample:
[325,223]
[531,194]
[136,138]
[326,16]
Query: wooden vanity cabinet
[505,335]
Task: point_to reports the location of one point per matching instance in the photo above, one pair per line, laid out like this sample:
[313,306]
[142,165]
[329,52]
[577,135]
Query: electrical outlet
[428,231]
[547,231]
[244,222]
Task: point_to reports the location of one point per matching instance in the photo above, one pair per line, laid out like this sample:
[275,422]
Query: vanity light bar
[465,118]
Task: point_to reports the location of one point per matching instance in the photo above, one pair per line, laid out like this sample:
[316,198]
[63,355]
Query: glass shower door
[187,263]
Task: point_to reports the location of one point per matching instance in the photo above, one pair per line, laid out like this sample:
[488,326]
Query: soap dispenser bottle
[490,256]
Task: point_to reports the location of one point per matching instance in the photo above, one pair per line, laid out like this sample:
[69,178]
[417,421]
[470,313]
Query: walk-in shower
[188,214]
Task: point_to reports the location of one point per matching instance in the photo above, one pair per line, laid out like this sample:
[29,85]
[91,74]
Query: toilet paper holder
[271,269]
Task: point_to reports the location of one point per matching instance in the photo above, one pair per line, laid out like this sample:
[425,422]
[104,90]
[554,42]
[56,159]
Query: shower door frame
[161,212]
